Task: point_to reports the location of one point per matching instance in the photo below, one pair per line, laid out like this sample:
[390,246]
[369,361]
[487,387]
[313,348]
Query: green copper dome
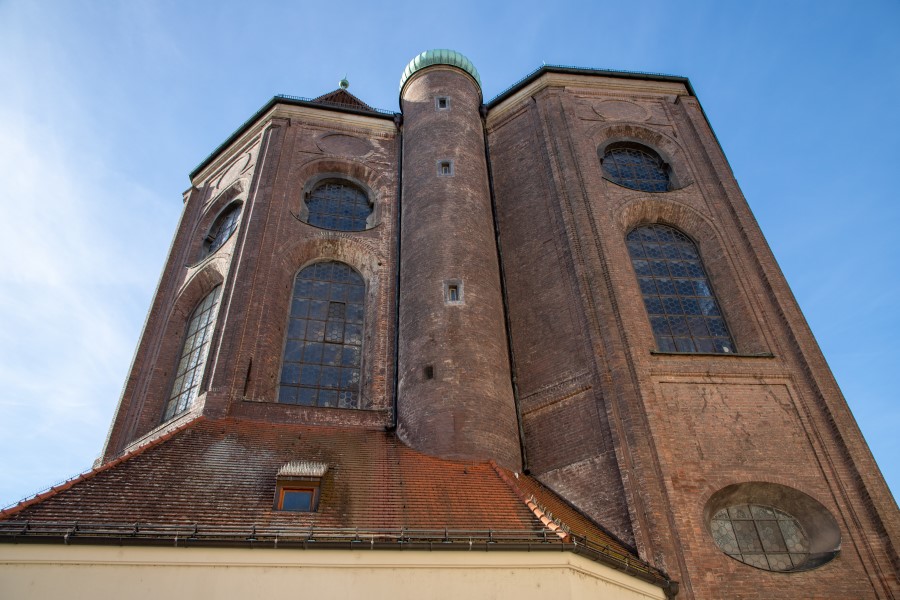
[439,57]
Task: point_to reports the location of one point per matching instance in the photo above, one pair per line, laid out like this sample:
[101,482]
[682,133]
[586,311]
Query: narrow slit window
[453,292]
[445,168]
[429,371]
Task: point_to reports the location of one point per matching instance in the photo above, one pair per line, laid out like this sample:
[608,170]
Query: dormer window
[297,486]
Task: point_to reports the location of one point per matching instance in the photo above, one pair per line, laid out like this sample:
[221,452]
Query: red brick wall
[672,429]
[256,268]
[467,409]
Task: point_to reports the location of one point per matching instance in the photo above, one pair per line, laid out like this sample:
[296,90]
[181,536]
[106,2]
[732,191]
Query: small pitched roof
[214,481]
[343,98]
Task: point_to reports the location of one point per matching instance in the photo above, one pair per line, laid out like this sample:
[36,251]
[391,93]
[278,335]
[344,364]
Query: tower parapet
[455,395]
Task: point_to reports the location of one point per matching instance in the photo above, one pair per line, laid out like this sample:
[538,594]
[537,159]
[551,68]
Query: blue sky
[106,107]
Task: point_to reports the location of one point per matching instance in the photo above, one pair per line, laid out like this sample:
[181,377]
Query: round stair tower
[455,397]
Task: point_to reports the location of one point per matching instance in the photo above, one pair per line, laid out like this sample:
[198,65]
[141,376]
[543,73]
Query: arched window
[683,311]
[636,167]
[338,205]
[321,364]
[193,355]
[222,229]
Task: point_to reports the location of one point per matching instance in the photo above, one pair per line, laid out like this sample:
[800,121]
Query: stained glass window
[680,302]
[635,167]
[321,365]
[761,536]
[338,205]
[223,228]
[193,356]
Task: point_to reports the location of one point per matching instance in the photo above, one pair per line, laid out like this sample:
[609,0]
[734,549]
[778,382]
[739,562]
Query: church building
[528,347]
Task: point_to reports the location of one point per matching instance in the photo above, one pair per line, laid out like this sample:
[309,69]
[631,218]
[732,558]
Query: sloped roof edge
[56,489]
[601,553]
[292,101]
[570,70]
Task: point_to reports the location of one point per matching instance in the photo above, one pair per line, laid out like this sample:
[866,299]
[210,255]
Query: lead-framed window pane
[677,294]
[321,367]
[222,229]
[635,167]
[338,205]
[194,352]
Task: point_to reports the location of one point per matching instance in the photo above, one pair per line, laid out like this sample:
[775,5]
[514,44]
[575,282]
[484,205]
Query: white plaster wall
[30,571]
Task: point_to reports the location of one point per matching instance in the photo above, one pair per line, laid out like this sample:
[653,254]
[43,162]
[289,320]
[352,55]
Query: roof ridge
[60,487]
[528,500]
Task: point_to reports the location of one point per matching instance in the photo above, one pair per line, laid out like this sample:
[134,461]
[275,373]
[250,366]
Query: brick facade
[638,440]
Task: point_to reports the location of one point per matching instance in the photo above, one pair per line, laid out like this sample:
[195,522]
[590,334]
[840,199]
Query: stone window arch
[636,167]
[681,305]
[193,355]
[322,358]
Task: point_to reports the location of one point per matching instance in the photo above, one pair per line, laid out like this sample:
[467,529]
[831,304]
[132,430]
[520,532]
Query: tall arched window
[321,365]
[683,311]
[340,205]
[636,167]
[222,229]
[193,355]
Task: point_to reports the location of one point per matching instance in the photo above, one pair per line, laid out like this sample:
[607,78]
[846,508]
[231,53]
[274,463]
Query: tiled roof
[220,476]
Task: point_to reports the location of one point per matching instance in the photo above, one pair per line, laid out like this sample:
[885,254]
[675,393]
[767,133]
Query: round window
[761,536]
[772,527]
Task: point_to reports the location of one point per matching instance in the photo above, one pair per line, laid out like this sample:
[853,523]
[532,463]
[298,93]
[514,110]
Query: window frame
[450,168]
[451,285]
[314,184]
[285,485]
[664,166]
[199,370]
[708,311]
[357,402]
[209,238]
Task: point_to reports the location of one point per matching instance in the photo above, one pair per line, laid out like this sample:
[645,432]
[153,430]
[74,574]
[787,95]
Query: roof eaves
[570,70]
[292,101]
[603,554]
[56,489]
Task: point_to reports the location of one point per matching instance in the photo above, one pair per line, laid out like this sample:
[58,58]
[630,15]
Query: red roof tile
[220,476]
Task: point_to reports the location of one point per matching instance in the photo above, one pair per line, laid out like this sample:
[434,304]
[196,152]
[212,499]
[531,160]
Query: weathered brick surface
[638,441]
[256,268]
[467,409]
[672,429]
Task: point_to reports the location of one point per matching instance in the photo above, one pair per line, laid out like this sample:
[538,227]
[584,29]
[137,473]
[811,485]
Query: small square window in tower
[445,168]
[453,291]
[442,103]
[297,486]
